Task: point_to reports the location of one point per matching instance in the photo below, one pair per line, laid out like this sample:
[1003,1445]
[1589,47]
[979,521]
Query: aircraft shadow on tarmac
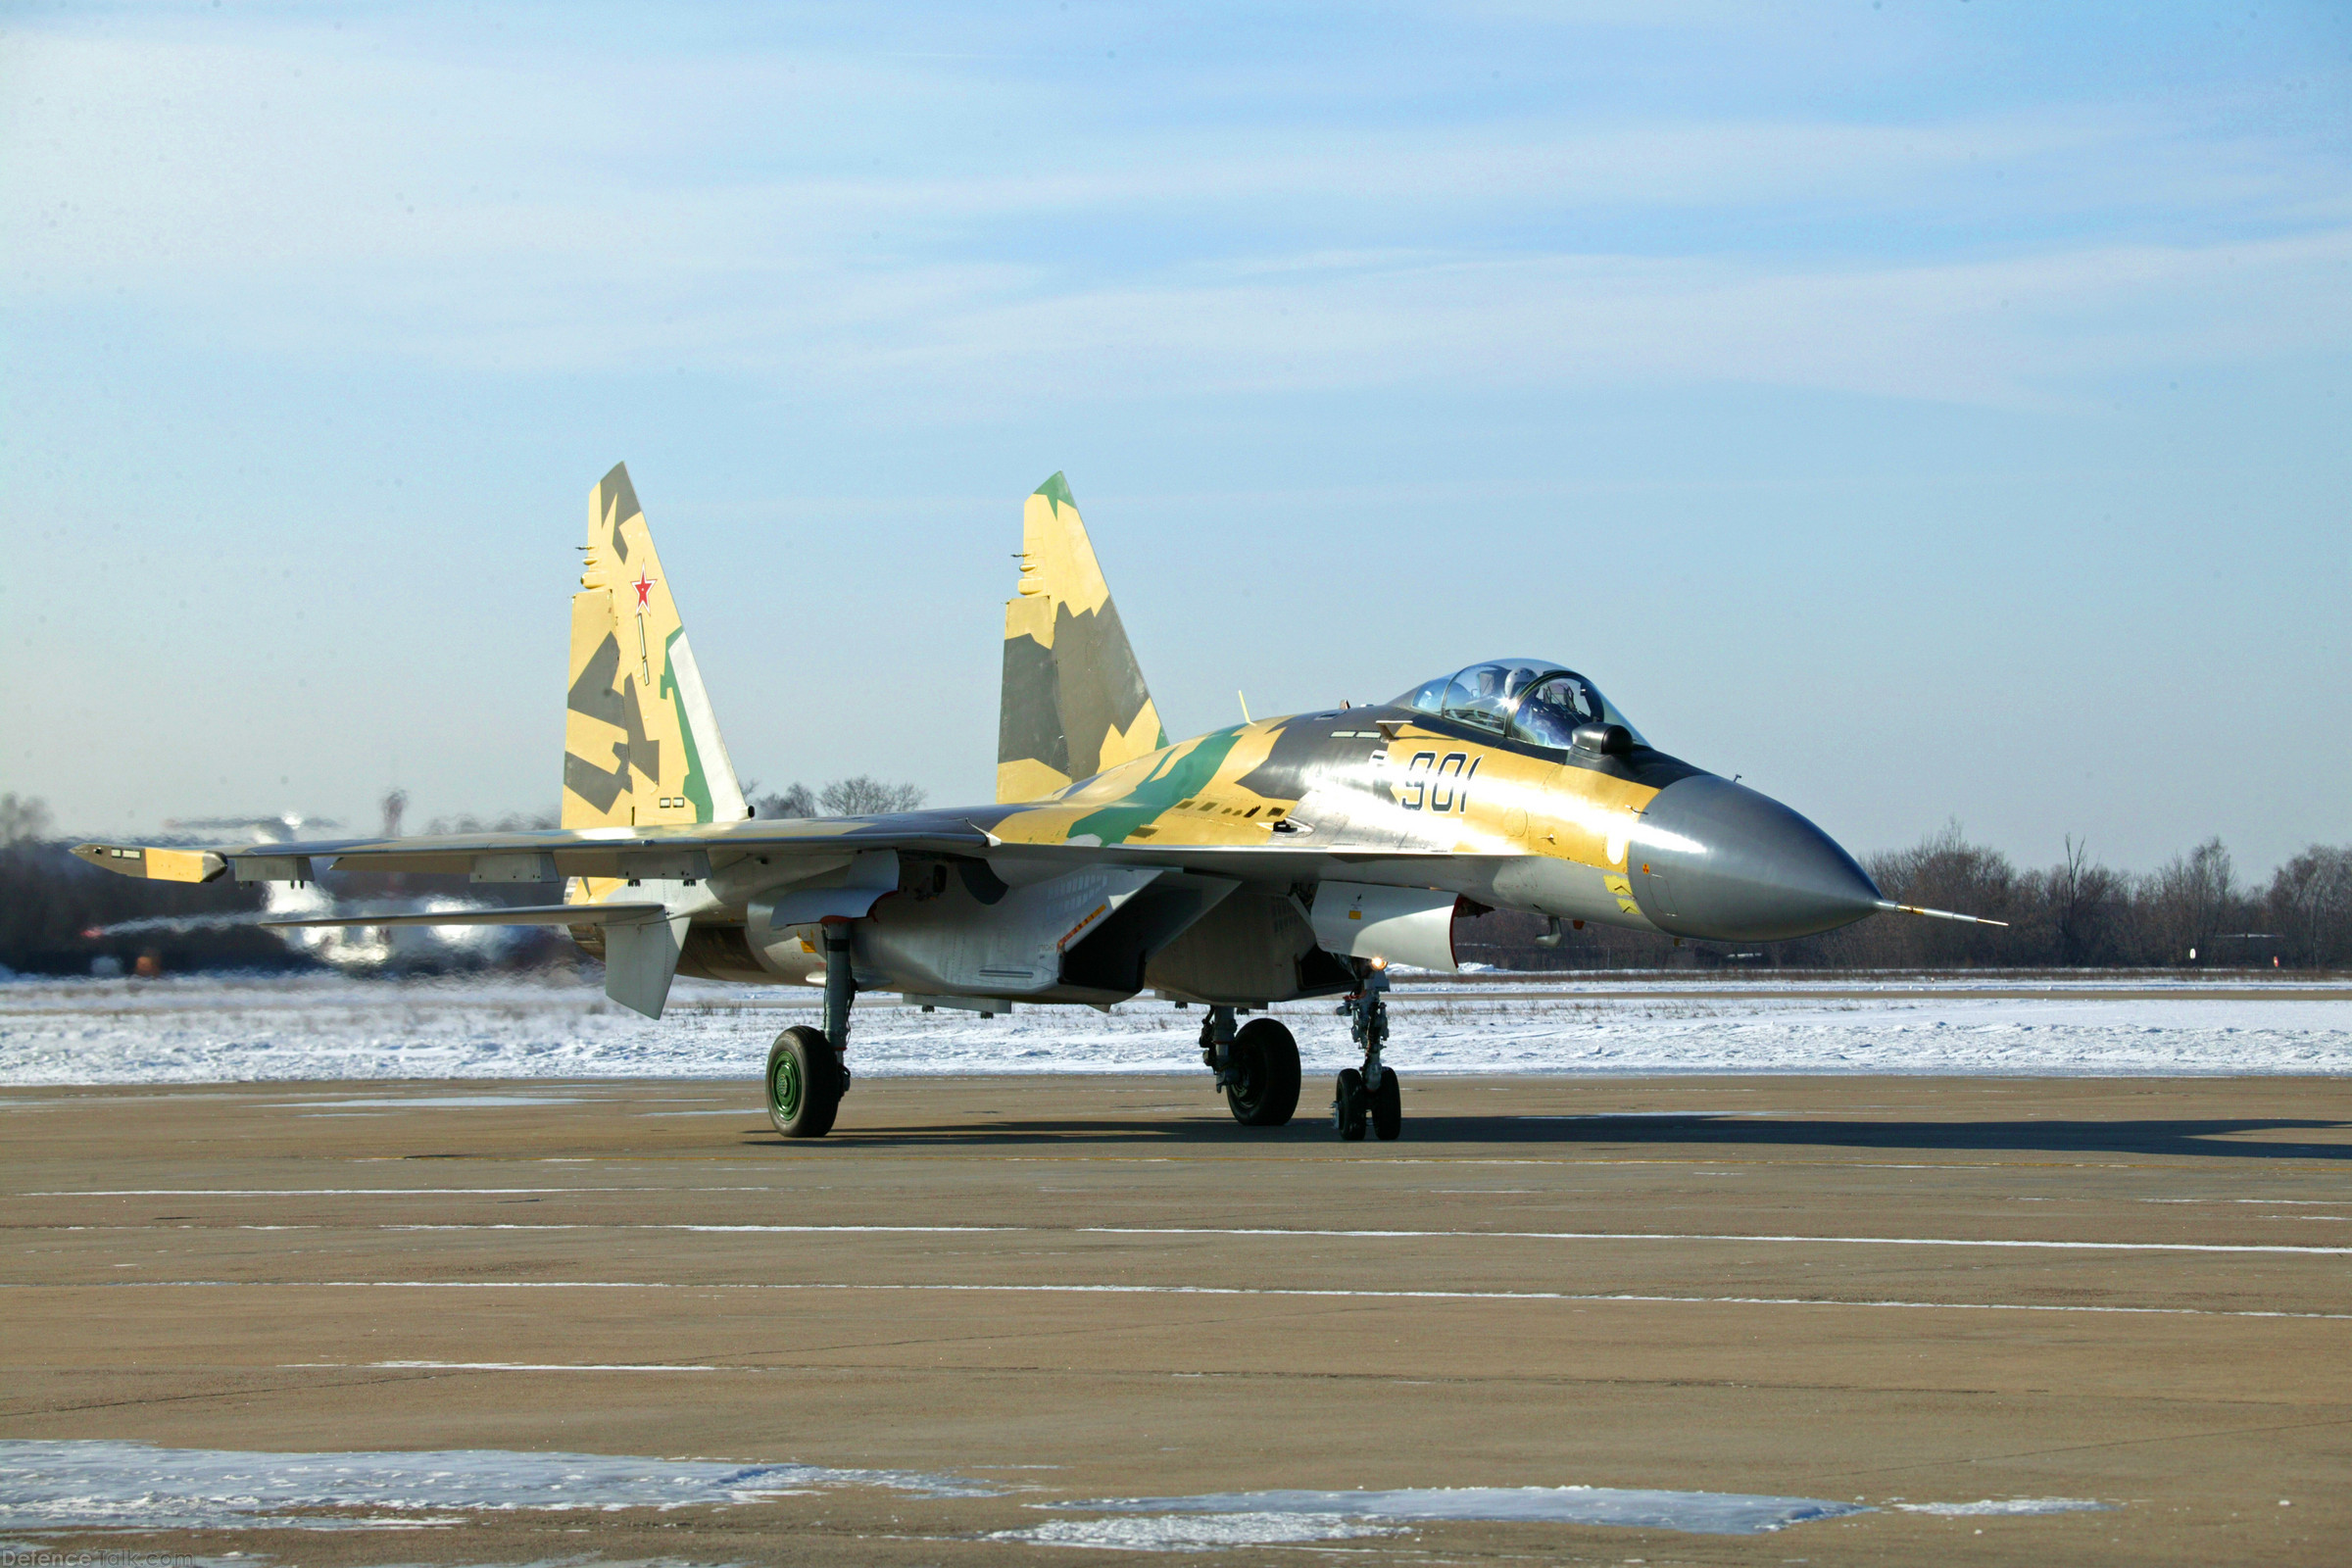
[2231,1138]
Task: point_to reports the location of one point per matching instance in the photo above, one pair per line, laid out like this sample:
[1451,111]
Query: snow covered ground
[216,1029]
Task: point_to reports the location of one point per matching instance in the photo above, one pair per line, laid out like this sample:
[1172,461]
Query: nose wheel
[1369,1095]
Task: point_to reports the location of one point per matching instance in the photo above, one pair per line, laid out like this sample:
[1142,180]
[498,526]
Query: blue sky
[1926,410]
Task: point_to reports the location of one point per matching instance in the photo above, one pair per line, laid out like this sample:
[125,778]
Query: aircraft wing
[694,852]
[665,853]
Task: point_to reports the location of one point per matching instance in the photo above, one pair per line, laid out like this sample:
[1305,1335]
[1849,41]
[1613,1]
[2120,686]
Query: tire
[1266,1057]
[803,1086]
[1387,1108]
[1348,1105]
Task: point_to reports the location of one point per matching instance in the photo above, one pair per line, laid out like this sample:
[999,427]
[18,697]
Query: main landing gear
[1369,1093]
[1257,1065]
[806,1074]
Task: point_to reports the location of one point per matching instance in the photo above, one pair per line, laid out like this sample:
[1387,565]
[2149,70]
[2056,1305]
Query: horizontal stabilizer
[156,865]
[521,915]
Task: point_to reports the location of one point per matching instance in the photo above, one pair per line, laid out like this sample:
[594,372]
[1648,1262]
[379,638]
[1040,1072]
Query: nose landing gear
[1369,1095]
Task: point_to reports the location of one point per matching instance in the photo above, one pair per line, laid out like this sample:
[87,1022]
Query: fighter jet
[1265,861]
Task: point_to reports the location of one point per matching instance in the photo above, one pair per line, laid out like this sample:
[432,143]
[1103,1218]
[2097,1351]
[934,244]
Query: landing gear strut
[1369,1093]
[1257,1065]
[806,1074]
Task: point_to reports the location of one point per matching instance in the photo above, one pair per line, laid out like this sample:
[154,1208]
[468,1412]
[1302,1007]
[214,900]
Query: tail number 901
[1436,784]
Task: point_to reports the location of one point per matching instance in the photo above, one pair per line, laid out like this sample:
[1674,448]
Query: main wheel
[803,1083]
[1348,1105]
[1263,1088]
[1387,1108]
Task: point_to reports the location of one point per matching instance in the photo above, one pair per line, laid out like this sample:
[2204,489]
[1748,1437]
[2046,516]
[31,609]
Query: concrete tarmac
[1867,1290]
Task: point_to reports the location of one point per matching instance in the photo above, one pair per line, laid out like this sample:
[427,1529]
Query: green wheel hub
[803,1083]
[785,1086]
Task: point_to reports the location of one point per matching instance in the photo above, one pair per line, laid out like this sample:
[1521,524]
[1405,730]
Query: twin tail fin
[641,745]
[1074,701]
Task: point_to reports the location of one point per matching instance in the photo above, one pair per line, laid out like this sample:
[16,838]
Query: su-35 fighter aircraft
[1269,861]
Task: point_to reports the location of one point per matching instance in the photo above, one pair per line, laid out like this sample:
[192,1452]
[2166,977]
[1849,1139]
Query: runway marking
[1271,1290]
[378,1191]
[1362,1235]
[789,1230]
[1702,1236]
[501,1367]
[2265,1202]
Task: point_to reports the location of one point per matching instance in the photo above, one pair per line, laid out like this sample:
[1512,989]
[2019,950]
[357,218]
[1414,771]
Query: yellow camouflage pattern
[1213,791]
[641,748]
[1074,700]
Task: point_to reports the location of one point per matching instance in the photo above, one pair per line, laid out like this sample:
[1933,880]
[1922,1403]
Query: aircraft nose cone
[1720,862]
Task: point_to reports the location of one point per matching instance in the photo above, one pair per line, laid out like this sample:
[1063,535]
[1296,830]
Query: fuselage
[1637,839]
[1616,833]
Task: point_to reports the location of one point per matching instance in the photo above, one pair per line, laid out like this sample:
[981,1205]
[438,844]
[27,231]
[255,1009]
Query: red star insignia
[644,585]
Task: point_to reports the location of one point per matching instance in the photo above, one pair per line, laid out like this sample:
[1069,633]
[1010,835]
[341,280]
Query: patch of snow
[1195,1532]
[103,1484]
[201,1029]
[1993,1507]
[1713,1513]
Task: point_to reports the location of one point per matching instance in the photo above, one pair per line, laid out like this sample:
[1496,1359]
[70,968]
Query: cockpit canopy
[1537,701]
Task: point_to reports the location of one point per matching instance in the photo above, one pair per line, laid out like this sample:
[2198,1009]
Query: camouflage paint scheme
[1074,701]
[1249,819]
[632,756]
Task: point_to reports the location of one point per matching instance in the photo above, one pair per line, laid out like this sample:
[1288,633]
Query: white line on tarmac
[1170,1290]
[786,1230]
[1363,1234]
[505,1366]
[377,1192]
[1702,1236]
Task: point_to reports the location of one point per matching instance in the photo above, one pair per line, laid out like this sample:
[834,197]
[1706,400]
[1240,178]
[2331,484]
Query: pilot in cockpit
[1549,715]
[1530,700]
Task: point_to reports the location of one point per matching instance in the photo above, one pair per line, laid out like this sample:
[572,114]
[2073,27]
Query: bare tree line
[860,794]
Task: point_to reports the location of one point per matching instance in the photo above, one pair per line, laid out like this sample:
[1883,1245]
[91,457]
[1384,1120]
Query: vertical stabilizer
[641,746]
[1074,700]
